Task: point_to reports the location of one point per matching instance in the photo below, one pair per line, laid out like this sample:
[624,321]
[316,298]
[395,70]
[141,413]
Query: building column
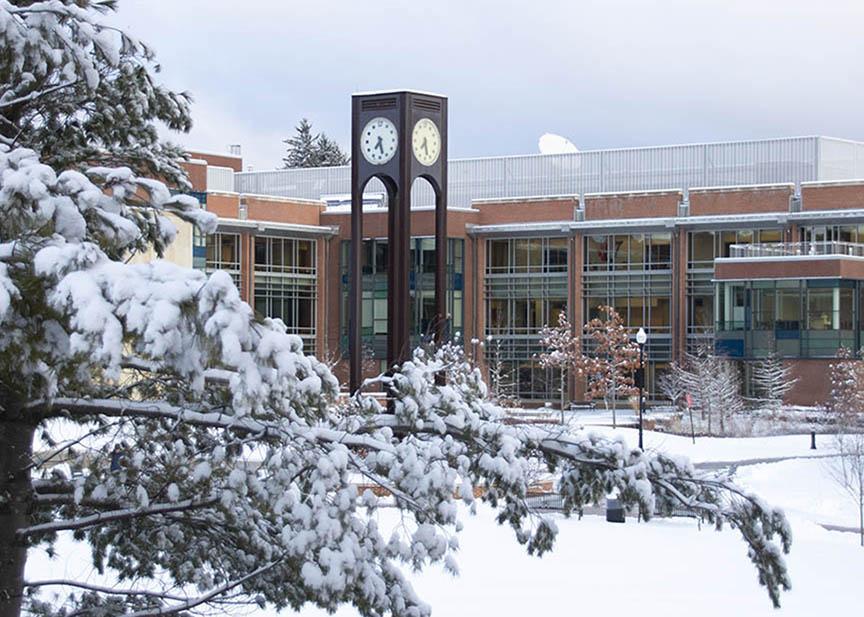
[478,293]
[322,248]
[679,294]
[247,268]
[575,308]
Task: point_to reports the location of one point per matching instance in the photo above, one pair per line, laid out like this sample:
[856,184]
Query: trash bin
[614,511]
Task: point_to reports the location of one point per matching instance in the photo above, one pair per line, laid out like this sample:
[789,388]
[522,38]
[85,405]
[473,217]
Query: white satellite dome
[551,143]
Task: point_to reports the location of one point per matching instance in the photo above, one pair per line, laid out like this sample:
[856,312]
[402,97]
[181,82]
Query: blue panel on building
[729,347]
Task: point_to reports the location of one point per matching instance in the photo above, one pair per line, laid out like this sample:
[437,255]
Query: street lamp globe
[641,337]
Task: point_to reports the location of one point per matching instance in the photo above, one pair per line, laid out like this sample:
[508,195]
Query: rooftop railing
[796,249]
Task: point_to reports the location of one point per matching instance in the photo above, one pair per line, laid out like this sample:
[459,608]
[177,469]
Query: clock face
[378,141]
[426,142]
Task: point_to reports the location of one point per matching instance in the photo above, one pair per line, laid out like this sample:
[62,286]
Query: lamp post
[641,338]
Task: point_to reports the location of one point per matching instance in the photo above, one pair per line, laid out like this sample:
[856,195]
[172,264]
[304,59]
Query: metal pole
[641,389]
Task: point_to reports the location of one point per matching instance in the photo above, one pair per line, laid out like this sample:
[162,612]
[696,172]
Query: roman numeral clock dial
[426,142]
[378,141]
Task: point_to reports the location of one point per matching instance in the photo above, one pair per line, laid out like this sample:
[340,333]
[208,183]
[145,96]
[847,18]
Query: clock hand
[379,145]
[425,147]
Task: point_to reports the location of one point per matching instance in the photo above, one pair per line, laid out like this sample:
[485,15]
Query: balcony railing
[796,249]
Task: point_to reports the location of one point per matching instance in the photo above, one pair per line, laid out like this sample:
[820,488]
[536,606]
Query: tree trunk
[562,396]
[861,519]
[16,448]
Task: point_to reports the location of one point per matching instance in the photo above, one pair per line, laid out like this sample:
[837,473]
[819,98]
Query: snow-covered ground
[665,567]
[723,449]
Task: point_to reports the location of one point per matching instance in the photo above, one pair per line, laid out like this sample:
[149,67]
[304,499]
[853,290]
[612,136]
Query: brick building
[747,247]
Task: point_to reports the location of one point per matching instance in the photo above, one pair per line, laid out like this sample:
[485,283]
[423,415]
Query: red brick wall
[740,201]
[282,210]
[226,205]
[628,206]
[501,213]
[219,160]
[813,385]
[832,197]
[197,175]
[793,268]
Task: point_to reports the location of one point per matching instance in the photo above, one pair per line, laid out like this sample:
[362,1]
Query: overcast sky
[602,73]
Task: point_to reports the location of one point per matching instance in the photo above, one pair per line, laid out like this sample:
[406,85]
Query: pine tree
[302,147]
[329,153]
[305,149]
[773,380]
[99,107]
[212,455]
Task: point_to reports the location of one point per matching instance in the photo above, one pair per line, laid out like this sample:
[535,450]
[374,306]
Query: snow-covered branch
[116,515]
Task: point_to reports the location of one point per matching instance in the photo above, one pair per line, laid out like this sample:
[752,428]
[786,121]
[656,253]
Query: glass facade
[422,289]
[833,233]
[633,274]
[799,318]
[284,273]
[526,289]
[223,253]
[285,276]
[703,248]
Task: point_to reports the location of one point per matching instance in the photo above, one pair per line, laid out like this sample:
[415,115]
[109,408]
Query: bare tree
[773,380]
[846,399]
[561,352]
[847,470]
[674,384]
[715,386]
[610,359]
[501,385]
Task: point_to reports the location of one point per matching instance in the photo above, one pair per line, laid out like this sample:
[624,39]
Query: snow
[666,567]
[722,449]
[812,494]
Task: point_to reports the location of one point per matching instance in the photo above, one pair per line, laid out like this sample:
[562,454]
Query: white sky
[602,73]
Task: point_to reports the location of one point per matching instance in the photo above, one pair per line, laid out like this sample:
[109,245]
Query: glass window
[592,308]
[820,309]
[764,306]
[636,317]
[703,310]
[305,255]
[702,247]
[520,314]
[499,255]
[767,236]
[637,255]
[661,251]
[528,254]
[598,252]
[499,314]
[622,248]
[844,314]
[260,251]
[556,255]
[727,239]
[661,312]
[846,233]
[427,255]
[556,307]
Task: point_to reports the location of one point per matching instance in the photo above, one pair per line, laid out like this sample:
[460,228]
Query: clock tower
[396,136]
